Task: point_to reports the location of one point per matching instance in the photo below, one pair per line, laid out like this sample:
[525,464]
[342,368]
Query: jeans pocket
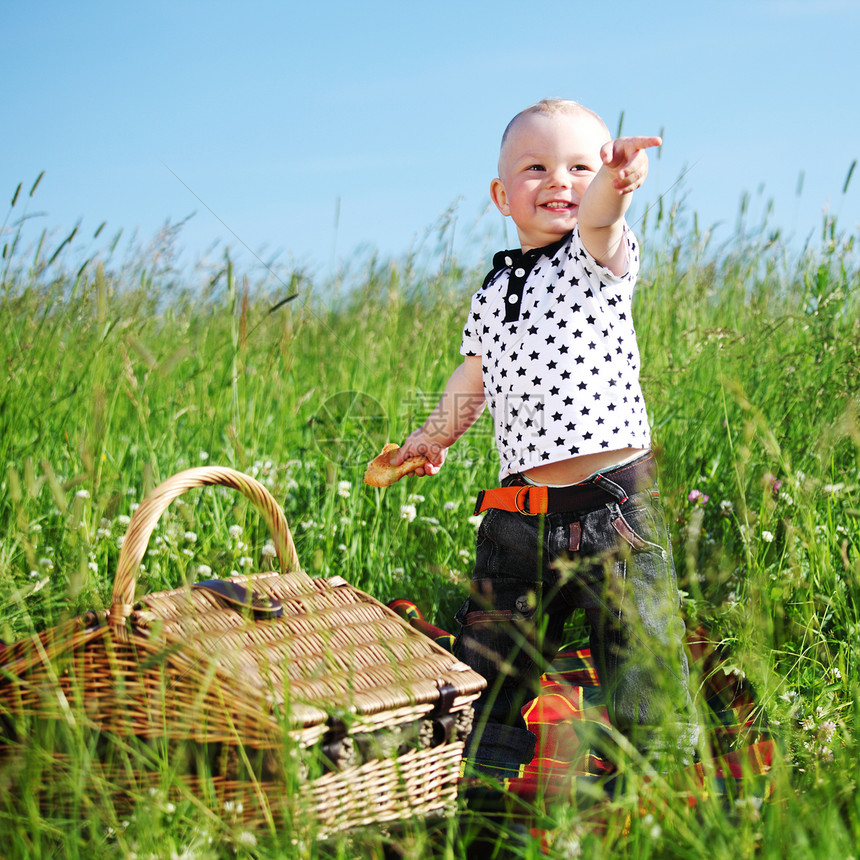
[483,528]
[494,641]
[641,527]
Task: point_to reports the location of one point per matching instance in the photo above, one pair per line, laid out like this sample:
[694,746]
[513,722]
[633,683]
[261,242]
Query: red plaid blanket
[569,713]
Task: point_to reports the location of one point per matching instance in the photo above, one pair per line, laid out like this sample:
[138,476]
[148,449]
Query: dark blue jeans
[531,572]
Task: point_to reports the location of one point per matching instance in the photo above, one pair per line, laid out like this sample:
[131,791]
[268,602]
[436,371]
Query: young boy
[549,346]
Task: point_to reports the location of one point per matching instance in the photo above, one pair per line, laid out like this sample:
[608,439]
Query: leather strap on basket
[156,503]
[242,599]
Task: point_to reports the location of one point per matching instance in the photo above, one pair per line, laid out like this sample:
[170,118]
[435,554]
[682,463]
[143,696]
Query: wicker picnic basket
[270,675]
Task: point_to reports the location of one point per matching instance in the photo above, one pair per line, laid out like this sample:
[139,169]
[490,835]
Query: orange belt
[524,500]
[618,484]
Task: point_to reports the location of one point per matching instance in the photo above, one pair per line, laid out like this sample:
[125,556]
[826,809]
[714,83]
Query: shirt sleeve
[600,271]
[471,342]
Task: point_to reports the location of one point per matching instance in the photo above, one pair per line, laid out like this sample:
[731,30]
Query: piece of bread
[381,473]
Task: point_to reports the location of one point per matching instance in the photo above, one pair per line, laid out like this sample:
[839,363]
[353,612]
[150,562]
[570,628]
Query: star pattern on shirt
[560,360]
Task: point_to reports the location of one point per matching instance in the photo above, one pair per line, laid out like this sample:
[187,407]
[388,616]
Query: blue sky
[278,115]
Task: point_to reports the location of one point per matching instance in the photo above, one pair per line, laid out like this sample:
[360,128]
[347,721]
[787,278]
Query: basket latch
[447,697]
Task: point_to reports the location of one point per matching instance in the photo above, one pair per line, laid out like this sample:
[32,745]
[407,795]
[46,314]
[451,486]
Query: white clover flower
[189,553]
[408,513]
[82,494]
[204,570]
[567,845]
[341,547]
[449,506]
[134,506]
[46,563]
[726,507]
[307,524]
[343,488]
[35,528]
[475,521]
[767,536]
[203,455]
[655,830]
[752,803]
[93,566]
[246,838]
[34,574]
[268,551]
[245,561]
[235,532]
[415,498]
[191,537]
[398,571]
[102,533]
[786,498]
[123,519]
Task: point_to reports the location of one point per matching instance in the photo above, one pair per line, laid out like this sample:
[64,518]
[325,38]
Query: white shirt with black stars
[558,350]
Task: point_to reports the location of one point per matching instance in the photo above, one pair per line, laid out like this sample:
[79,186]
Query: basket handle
[156,503]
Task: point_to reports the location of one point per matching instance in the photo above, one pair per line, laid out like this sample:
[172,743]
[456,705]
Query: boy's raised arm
[458,408]
[601,213]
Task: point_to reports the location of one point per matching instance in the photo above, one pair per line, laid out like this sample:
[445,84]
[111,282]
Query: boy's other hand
[627,160]
[419,444]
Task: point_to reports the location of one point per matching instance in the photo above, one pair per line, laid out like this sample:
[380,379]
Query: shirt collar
[503,259]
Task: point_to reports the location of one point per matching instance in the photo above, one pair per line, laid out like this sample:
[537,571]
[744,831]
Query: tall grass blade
[63,244]
[36,183]
[848,177]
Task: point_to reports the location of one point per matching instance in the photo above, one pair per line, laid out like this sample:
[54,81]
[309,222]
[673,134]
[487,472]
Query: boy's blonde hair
[548,107]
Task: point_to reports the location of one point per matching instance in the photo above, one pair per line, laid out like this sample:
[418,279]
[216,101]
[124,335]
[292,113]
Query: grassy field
[118,372]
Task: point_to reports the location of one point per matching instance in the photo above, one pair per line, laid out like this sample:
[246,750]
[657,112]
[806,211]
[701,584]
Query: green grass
[118,373]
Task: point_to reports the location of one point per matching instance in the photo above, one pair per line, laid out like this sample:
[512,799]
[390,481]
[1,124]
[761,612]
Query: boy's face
[546,163]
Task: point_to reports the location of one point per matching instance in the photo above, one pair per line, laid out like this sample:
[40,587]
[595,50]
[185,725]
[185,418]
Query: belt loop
[609,486]
[478,502]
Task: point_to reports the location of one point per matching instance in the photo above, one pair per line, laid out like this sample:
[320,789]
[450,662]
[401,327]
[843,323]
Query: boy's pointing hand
[627,160]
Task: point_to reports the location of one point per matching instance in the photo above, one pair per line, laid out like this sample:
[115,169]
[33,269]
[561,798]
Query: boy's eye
[579,167]
[535,167]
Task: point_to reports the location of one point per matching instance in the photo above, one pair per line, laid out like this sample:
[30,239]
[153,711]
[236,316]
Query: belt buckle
[517,502]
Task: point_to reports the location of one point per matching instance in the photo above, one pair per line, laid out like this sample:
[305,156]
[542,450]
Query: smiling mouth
[559,206]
